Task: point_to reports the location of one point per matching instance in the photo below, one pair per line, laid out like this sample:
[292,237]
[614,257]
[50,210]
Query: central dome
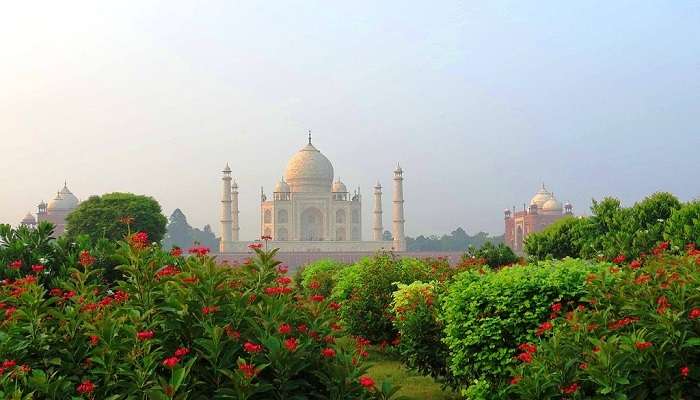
[309,171]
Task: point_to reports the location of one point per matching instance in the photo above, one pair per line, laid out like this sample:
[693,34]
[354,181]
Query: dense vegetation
[113,216]
[457,240]
[179,233]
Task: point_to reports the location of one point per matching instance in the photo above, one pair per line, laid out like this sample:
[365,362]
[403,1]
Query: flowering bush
[320,276]
[172,327]
[488,314]
[636,335]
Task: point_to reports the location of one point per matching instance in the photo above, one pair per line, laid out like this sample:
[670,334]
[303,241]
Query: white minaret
[398,220]
[226,228]
[377,228]
[234,215]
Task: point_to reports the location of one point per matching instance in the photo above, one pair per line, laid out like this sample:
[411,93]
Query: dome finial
[309,136]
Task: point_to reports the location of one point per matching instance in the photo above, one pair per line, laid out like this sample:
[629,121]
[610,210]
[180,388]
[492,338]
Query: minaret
[377,228]
[398,220]
[234,212]
[226,229]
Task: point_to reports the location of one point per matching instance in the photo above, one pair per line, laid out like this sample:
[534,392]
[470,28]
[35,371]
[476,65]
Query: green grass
[413,385]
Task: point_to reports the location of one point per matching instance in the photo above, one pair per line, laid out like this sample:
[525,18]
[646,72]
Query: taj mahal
[310,212]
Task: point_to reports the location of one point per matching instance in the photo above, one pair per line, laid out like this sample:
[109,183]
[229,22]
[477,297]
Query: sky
[480,102]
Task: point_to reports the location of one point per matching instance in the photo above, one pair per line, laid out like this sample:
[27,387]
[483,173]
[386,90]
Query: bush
[488,314]
[637,336]
[684,225]
[365,291]
[173,327]
[495,256]
[321,276]
[564,238]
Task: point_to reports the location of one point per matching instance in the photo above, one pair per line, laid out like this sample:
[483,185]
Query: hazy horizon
[480,103]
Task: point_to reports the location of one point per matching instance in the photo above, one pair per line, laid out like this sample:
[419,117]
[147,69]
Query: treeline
[180,234]
[457,240]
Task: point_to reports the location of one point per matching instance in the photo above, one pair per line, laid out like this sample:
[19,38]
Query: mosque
[55,211]
[309,212]
[543,210]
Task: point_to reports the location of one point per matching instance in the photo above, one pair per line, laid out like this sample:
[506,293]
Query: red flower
[182,351]
[528,348]
[255,246]
[291,344]
[317,298]
[571,389]
[168,270]
[284,329]
[232,333]
[366,381]
[38,268]
[121,296]
[556,307]
[621,323]
[302,328]
[635,264]
[9,311]
[516,379]
[334,306]
[642,279]
[9,364]
[685,371]
[642,345]
[663,304]
[69,294]
[328,352]
[145,335]
[266,237]
[171,362]
[85,387]
[199,250]
[525,357]
[252,347]
[694,313]
[139,240]
[583,365]
[85,259]
[206,310]
[282,269]
[248,370]
[176,251]
[94,340]
[190,280]
[619,259]
[544,327]
[56,292]
[17,264]
[314,285]
[284,280]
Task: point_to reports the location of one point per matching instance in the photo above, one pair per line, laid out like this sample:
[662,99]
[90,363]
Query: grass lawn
[413,386]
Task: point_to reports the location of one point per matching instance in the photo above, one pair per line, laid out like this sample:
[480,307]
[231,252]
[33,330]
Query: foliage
[488,314]
[457,240]
[564,238]
[495,256]
[416,309]
[636,336]
[684,225]
[321,276]
[114,215]
[179,233]
[172,327]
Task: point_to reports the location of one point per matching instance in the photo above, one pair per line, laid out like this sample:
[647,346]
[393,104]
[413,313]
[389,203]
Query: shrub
[564,238]
[488,314]
[172,327]
[495,256]
[636,337]
[684,225]
[321,275]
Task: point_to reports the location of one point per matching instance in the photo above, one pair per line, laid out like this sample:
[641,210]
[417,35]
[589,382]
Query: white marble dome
[282,187]
[541,197]
[552,205]
[65,200]
[309,171]
[339,187]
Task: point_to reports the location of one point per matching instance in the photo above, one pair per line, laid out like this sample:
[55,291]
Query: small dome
[339,187]
[28,220]
[541,197]
[552,205]
[309,171]
[64,201]
[282,187]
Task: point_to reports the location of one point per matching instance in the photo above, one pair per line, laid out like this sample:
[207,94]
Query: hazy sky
[479,101]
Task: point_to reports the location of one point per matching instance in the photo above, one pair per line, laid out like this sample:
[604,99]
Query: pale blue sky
[479,101]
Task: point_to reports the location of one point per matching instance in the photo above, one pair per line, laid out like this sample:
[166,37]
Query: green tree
[564,238]
[106,217]
[179,233]
[683,227]
[494,255]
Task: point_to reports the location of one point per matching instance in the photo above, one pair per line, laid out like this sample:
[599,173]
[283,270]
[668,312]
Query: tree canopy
[181,234]
[111,216]
[457,240]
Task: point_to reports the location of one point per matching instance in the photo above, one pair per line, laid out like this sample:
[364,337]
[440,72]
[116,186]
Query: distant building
[543,210]
[55,211]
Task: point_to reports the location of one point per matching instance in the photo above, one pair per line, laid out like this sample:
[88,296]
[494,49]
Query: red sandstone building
[544,209]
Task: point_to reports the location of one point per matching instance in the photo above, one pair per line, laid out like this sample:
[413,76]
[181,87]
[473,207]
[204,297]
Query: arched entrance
[312,224]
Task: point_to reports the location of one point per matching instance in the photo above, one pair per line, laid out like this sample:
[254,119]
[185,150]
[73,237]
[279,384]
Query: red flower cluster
[252,347]
[94,340]
[685,371]
[266,237]
[314,285]
[85,259]
[571,389]
[544,327]
[366,381]
[248,370]
[694,313]
[199,251]
[85,387]
[528,348]
[660,248]
[176,251]
[145,335]
[317,298]
[556,307]
[282,269]
[206,310]
[284,329]
[171,362]
[139,240]
[17,264]
[663,304]
[182,351]
[291,344]
[642,279]
[334,306]
[525,357]
[642,345]
[621,323]
[168,270]
[284,280]
[38,268]
[255,246]
[328,352]
[277,290]
[619,259]
[516,379]
[635,264]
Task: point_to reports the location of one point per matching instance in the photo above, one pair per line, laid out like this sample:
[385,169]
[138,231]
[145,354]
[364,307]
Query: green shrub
[637,337]
[321,276]
[495,256]
[684,225]
[564,238]
[487,315]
